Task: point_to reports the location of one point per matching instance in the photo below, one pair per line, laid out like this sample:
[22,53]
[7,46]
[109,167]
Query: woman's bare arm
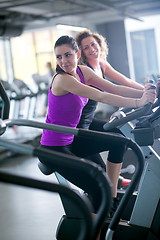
[65,83]
[117,77]
[94,80]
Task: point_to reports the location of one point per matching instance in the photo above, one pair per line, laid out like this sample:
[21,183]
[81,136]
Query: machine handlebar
[120,118]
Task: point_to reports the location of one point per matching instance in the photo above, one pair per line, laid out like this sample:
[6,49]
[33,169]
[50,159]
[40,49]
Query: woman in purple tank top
[67,97]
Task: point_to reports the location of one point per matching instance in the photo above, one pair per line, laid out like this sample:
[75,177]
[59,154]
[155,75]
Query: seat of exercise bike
[44,169]
[47,171]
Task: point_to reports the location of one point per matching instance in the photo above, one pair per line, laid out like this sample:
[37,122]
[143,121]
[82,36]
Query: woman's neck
[95,65]
[75,74]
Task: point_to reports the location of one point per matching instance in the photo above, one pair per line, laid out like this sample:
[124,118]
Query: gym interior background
[131,29]
[28,30]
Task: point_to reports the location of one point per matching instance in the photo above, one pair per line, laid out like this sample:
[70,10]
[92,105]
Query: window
[23,54]
[143,47]
[144,54]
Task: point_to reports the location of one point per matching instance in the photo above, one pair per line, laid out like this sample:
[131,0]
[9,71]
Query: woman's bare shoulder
[104,64]
[85,68]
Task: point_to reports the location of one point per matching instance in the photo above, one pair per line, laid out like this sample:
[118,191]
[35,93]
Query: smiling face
[67,58]
[90,48]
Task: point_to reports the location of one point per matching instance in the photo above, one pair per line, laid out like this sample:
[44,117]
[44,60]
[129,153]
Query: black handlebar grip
[152,87]
[151,81]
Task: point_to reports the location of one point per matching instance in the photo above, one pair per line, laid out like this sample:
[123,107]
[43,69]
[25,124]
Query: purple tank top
[63,110]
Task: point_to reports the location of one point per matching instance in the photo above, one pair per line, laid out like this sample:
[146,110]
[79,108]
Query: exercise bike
[86,227]
[144,220]
[70,223]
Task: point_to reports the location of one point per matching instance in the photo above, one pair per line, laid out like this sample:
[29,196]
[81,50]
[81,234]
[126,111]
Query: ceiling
[23,14]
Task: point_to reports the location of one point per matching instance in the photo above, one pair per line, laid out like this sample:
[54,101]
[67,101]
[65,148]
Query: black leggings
[78,178]
[88,149]
[113,156]
[91,148]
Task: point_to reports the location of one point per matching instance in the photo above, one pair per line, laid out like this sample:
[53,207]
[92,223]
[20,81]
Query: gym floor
[27,213]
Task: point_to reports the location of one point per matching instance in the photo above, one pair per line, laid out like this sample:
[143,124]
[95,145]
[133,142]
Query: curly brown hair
[100,40]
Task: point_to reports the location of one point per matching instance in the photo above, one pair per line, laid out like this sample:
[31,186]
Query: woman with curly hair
[94,52]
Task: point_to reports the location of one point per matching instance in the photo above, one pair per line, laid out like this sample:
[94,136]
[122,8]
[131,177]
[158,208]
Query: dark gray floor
[27,213]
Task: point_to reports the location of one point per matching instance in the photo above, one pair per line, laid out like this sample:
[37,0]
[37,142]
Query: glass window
[144,54]
[43,41]
[23,53]
[43,49]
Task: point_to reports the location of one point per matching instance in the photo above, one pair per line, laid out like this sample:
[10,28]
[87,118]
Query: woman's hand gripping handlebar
[121,117]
